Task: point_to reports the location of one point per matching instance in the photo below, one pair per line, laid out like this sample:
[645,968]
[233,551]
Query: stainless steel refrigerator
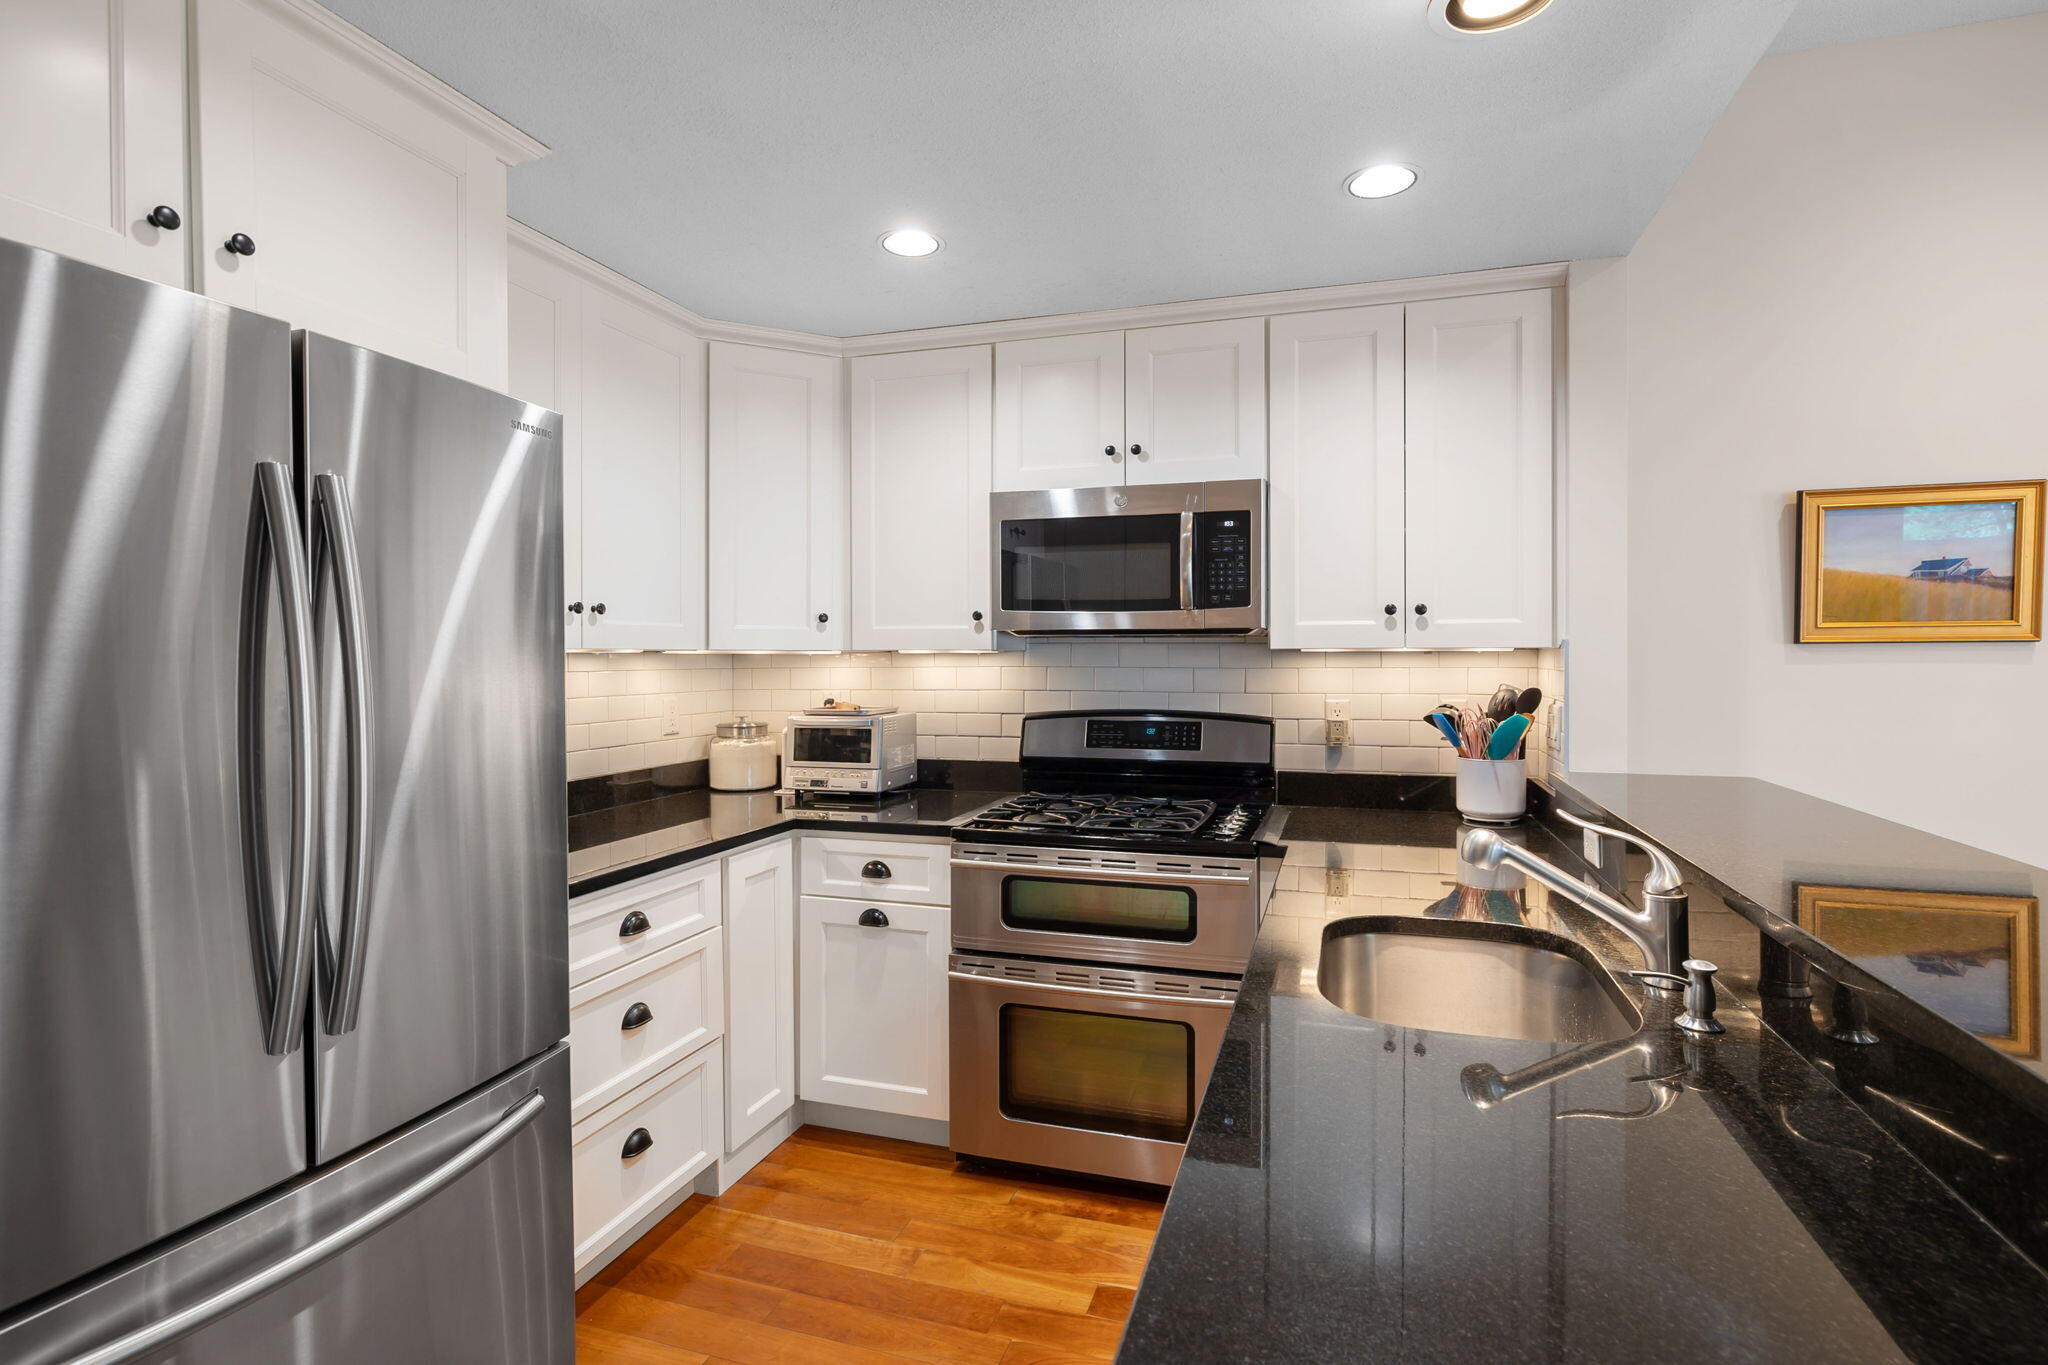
[282,844]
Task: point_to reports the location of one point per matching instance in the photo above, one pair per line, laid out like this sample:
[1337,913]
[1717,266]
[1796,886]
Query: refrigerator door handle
[274,536]
[346,944]
[185,1321]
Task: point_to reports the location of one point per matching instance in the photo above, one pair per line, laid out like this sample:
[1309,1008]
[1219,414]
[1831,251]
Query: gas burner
[1130,815]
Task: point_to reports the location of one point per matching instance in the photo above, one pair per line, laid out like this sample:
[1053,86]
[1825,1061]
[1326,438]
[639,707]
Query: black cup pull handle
[875,870]
[638,1016]
[637,1141]
[241,244]
[635,923]
[165,217]
[873,919]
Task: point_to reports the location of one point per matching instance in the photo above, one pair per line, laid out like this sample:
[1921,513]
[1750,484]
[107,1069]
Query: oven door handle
[1098,874]
[1011,983]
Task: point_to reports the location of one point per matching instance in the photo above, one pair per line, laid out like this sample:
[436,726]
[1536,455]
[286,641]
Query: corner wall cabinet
[920,484]
[1175,404]
[1411,492]
[778,500]
[628,379]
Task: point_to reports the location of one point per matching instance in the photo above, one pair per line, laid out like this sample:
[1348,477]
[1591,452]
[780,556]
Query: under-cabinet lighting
[910,241]
[1382,181]
[1482,16]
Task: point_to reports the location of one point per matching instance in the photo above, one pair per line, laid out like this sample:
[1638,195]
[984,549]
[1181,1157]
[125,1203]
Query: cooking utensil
[1501,704]
[1506,735]
[1444,726]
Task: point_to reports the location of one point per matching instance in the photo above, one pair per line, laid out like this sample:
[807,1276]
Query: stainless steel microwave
[1148,559]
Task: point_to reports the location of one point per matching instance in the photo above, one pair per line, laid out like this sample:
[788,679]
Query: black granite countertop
[697,822]
[1344,1198]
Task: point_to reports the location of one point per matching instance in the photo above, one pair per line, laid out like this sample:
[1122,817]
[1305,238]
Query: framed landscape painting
[1958,561]
[1971,959]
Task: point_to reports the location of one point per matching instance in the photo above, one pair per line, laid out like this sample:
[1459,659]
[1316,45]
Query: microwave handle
[1187,561]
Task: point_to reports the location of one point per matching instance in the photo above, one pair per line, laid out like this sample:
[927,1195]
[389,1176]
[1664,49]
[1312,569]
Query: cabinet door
[643,478]
[1195,402]
[375,217]
[920,565]
[760,965]
[544,365]
[778,500]
[873,1012]
[1335,505]
[1479,472]
[1060,412]
[92,132]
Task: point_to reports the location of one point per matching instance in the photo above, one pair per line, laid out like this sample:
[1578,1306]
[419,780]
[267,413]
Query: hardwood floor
[846,1248]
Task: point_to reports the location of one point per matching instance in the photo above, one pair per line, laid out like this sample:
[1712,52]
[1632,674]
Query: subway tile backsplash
[629,711]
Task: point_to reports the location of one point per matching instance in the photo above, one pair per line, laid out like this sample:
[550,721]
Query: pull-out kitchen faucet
[1659,928]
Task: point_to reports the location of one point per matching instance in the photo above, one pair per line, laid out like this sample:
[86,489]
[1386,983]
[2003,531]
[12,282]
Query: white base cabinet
[873,1008]
[644,1150]
[760,1037]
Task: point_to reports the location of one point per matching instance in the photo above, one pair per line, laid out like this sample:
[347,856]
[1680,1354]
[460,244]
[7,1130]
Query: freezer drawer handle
[638,1016]
[186,1321]
[635,923]
[637,1141]
[273,545]
[344,948]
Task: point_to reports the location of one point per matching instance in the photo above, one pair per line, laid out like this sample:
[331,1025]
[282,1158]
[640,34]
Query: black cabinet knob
[875,870]
[1422,609]
[637,1141]
[873,919]
[1137,449]
[1109,451]
[165,217]
[637,1016]
[576,607]
[597,608]
[241,244]
[1393,610]
[977,616]
[634,924]
[823,618]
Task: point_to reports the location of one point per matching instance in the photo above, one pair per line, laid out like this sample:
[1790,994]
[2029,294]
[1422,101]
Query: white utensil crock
[1493,791]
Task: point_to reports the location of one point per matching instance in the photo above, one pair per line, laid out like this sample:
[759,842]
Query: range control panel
[1109,733]
[1224,573]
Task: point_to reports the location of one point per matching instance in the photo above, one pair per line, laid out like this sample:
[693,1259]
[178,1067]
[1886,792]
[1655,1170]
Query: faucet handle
[1664,879]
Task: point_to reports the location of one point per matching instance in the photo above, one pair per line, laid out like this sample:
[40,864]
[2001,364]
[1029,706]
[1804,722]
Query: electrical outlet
[671,715]
[1336,708]
[1336,733]
[1339,881]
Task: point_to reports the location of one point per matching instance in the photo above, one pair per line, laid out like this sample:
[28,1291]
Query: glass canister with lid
[744,756]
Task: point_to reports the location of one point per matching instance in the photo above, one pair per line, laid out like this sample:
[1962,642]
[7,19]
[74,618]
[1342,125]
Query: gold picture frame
[1948,561]
[1944,950]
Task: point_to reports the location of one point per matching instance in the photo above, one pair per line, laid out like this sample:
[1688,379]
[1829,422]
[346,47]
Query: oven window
[835,744]
[1103,909]
[1112,1073]
[1092,564]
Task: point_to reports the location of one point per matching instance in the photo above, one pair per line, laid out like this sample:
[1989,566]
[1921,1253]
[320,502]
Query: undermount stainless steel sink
[1488,980]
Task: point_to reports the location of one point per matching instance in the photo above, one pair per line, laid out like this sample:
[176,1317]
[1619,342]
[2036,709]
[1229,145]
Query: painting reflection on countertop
[1972,958]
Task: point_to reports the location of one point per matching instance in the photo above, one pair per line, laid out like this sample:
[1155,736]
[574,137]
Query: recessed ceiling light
[1483,16]
[910,242]
[1377,182]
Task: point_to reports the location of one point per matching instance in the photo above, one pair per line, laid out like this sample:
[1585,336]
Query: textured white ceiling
[1818,23]
[743,156]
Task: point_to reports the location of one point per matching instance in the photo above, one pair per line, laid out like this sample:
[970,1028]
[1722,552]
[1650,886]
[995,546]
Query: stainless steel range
[1101,924]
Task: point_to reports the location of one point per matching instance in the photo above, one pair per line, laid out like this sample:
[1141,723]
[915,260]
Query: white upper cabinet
[342,190]
[1336,507]
[1059,408]
[628,379]
[545,321]
[92,132]
[1195,402]
[778,500]
[1479,567]
[920,465]
[1176,404]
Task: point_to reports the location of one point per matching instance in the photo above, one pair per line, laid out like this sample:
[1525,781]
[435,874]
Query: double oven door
[1165,911]
[1081,1068]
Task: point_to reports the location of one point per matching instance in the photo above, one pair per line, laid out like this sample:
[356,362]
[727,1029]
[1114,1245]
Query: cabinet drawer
[679,1123]
[625,1027]
[909,870]
[631,923]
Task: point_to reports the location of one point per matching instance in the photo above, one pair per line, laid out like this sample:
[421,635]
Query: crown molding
[511,145]
[1546,276]
[1500,281]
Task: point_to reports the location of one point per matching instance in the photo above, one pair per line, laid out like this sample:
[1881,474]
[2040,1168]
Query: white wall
[1849,286]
